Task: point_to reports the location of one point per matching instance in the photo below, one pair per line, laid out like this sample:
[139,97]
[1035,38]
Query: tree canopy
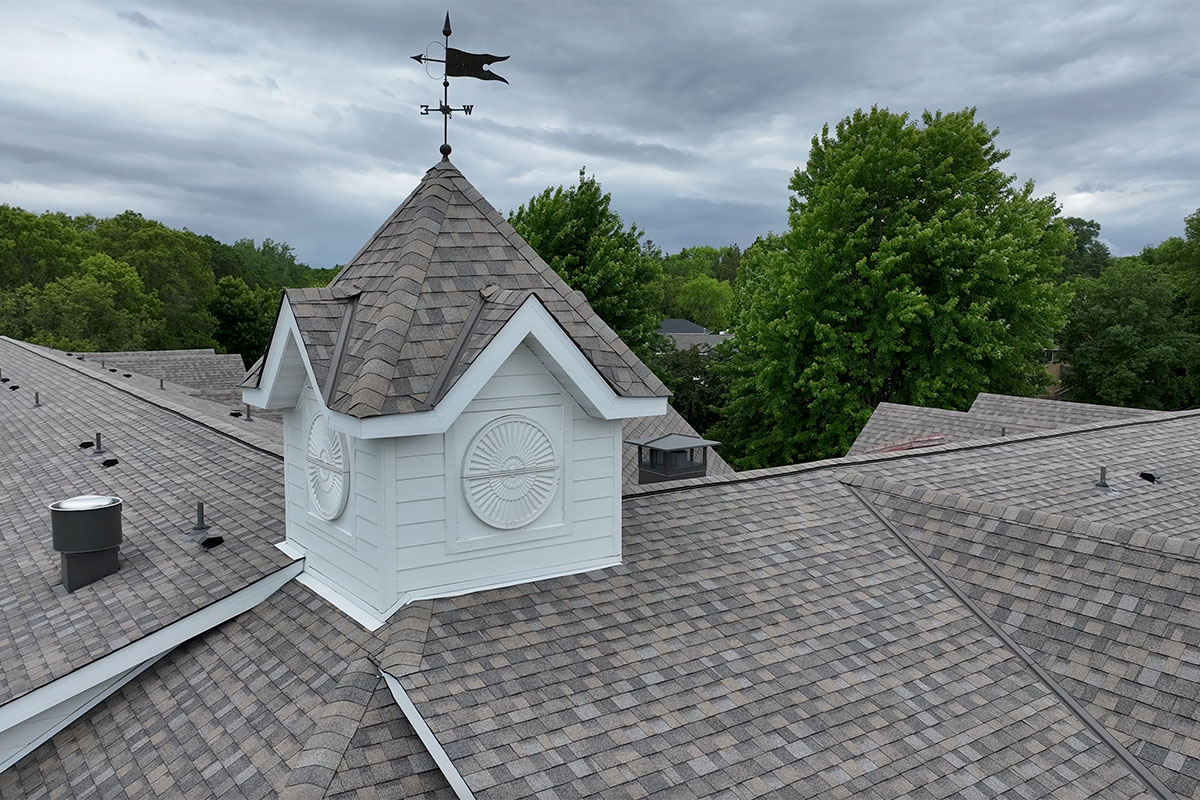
[1125,345]
[913,271]
[1088,256]
[130,283]
[578,234]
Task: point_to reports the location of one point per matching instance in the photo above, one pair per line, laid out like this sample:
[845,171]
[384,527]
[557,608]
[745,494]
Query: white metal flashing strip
[23,739]
[373,620]
[145,649]
[327,591]
[440,757]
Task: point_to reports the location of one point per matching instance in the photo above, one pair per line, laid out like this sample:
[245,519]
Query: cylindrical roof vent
[86,531]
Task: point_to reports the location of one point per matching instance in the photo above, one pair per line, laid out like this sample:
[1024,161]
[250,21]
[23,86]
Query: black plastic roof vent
[235,413]
[1153,477]
[86,445]
[13,388]
[109,462]
[126,374]
[5,380]
[212,542]
[111,369]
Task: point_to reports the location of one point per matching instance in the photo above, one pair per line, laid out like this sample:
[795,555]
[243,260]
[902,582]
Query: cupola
[452,412]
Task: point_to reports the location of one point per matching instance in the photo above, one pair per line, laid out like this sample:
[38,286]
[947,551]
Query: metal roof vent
[86,531]
[671,457]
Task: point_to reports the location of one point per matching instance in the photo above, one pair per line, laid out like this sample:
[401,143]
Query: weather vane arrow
[457,64]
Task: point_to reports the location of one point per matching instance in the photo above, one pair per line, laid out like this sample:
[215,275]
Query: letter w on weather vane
[457,64]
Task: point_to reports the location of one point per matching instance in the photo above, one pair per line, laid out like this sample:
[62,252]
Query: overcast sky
[299,121]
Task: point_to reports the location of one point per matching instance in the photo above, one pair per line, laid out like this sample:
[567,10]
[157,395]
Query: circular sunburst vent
[510,472]
[328,469]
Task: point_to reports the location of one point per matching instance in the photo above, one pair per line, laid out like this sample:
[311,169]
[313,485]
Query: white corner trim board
[532,319]
[440,757]
[146,649]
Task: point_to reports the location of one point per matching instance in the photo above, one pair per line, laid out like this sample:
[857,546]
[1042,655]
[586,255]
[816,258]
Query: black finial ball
[445,150]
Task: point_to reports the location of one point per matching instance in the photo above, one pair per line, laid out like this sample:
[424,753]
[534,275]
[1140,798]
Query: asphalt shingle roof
[765,635]
[210,375]
[1049,414]
[427,293]
[166,462]
[1119,629]
[759,638]
[253,709]
[899,427]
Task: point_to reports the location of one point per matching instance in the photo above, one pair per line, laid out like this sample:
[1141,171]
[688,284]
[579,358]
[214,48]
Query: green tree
[914,271]
[1088,256]
[1125,344]
[36,249]
[577,233]
[697,382]
[705,301]
[175,266]
[102,305]
[245,317]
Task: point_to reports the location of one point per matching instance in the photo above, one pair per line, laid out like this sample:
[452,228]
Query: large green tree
[175,266]
[1088,256]
[914,271]
[101,305]
[1125,344]
[245,317]
[578,234]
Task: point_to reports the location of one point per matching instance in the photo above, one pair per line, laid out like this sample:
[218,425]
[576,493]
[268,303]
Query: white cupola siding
[452,413]
[523,485]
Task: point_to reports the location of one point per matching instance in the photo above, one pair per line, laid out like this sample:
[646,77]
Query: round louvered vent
[510,472]
[328,469]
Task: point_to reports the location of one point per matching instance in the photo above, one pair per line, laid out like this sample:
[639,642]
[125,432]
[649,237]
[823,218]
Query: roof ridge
[1067,525]
[313,767]
[217,424]
[766,473]
[395,319]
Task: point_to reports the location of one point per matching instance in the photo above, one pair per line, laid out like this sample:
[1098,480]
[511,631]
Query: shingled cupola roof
[406,317]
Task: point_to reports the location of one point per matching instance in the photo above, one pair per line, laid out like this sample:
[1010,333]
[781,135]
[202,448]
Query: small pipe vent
[86,531]
[1103,482]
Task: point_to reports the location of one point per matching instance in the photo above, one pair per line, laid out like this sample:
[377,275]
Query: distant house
[434,581]
[688,335]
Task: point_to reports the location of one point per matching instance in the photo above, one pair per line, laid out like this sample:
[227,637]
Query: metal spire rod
[457,63]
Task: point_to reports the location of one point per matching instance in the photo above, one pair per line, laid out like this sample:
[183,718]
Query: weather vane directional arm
[457,64]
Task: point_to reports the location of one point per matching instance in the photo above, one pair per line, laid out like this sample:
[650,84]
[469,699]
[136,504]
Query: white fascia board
[286,329]
[145,649]
[532,319]
[421,728]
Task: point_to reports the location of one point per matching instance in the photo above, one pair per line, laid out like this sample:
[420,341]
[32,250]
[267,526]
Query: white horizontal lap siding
[346,552]
[430,514]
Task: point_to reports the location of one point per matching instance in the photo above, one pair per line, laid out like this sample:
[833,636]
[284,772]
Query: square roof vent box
[86,531]
[672,457]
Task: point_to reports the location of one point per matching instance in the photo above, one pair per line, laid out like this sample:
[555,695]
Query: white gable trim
[87,679]
[562,357]
[277,386]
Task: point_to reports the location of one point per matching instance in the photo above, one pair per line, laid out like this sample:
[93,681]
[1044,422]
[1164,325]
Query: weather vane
[458,64]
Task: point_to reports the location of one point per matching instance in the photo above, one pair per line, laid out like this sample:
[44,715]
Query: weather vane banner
[456,64]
